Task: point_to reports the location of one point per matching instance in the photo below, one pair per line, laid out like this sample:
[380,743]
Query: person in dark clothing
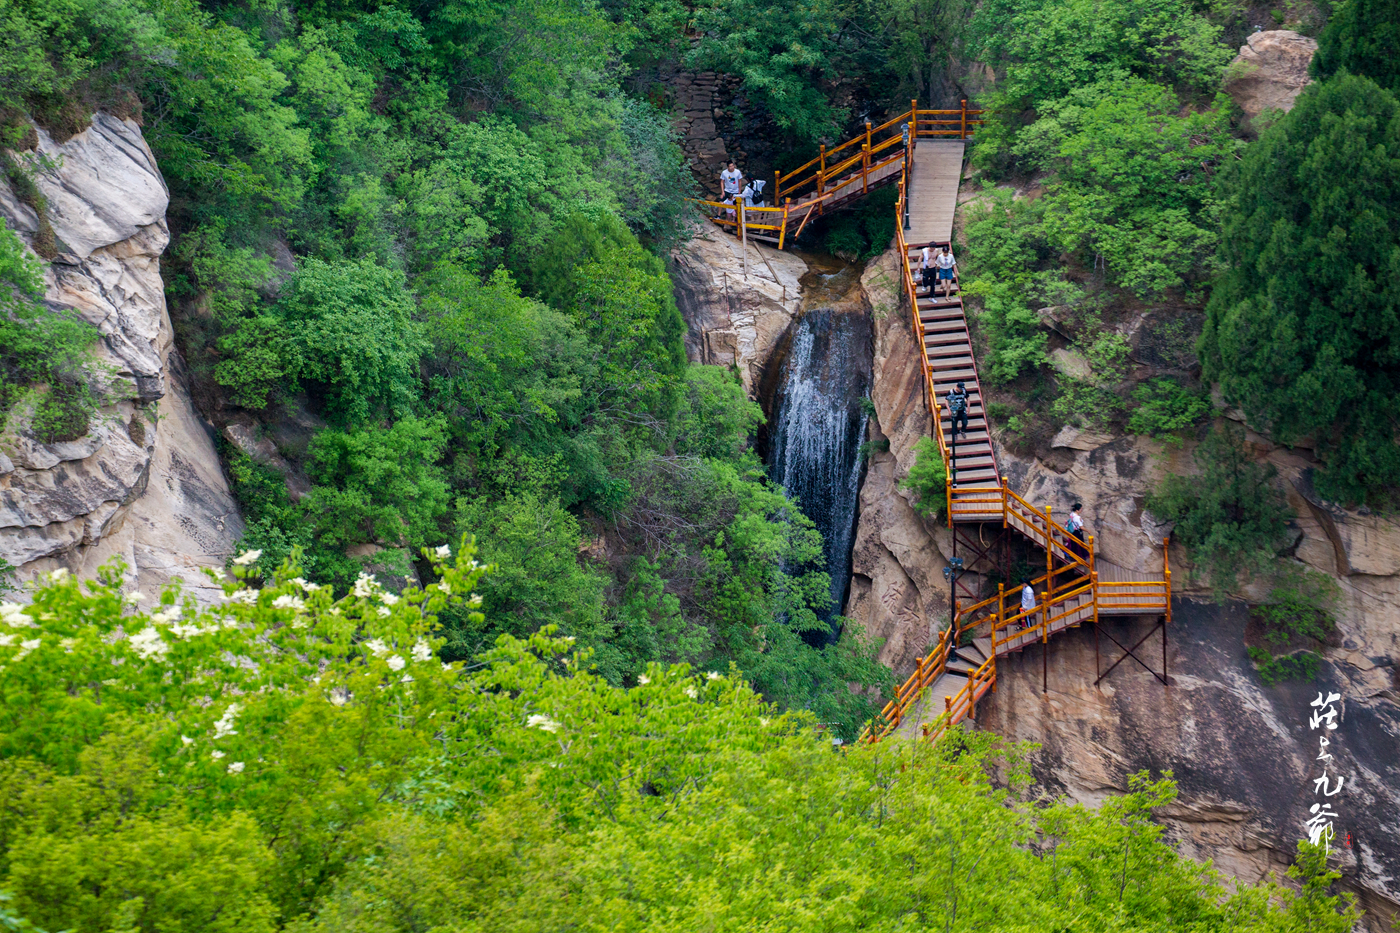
[957,407]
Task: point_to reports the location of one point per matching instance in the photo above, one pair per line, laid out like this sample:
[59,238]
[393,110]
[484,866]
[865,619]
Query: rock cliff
[1270,71]
[145,482]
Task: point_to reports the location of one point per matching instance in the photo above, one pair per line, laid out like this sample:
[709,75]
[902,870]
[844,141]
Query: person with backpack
[947,269]
[957,407]
[927,270]
[1027,604]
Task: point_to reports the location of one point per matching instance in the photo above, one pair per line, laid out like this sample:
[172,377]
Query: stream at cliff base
[817,422]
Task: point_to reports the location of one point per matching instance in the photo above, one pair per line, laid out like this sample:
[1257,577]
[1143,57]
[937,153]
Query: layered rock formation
[145,482]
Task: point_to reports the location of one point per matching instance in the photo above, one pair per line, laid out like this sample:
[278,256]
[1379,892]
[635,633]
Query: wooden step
[983,644]
[981,477]
[948,349]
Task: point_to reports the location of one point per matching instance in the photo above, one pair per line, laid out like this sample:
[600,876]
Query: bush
[1230,517]
[1302,666]
[1361,37]
[928,479]
[1300,605]
[1165,407]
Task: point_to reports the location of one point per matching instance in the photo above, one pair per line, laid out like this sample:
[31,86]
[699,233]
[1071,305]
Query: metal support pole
[743,234]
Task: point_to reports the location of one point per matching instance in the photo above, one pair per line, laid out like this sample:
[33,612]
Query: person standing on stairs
[947,269]
[927,270]
[957,407]
[1075,527]
[1027,604]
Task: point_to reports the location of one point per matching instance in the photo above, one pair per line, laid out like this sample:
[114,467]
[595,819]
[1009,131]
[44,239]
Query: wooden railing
[840,173]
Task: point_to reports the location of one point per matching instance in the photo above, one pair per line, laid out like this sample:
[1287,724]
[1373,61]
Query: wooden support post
[962,134]
[744,237]
[1049,551]
[867,134]
[865,168]
[782,234]
[913,121]
[821,173]
[1094,593]
[777,185]
[1004,489]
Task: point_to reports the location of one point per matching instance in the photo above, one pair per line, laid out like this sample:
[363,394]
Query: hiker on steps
[957,407]
[927,270]
[1075,527]
[1027,604]
[947,269]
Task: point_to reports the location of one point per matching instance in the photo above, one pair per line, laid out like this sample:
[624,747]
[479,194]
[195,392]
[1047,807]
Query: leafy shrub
[1361,37]
[1299,605]
[1164,407]
[928,478]
[1230,517]
[1302,666]
[41,346]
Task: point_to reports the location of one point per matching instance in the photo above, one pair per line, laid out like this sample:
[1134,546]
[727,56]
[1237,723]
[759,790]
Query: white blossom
[422,651]
[365,585]
[446,666]
[475,601]
[542,722]
[643,679]
[376,647]
[224,727]
[185,631]
[247,557]
[444,586]
[133,598]
[690,692]
[186,741]
[306,585]
[27,646]
[217,573]
[7,640]
[713,675]
[406,679]
[243,596]
[235,767]
[339,695]
[396,662]
[68,644]
[13,615]
[388,599]
[444,552]
[216,754]
[58,576]
[288,601]
[383,612]
[166,616]
[148,644]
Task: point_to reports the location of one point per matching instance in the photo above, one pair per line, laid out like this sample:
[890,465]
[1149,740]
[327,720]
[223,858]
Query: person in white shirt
[1027,604]
[732,181]
[947,268]
[926,269]
[1075,526]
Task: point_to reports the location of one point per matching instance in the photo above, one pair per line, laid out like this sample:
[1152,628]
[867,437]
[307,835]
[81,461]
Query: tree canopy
[1303,329]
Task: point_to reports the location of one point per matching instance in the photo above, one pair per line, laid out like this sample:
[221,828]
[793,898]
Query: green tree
[1230,517]
[1361,37]
[1303,331]
[378,484]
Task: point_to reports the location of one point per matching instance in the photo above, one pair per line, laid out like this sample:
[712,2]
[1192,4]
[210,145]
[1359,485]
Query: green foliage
[715,417]
[378,484]
[864,231]
[1361,37]
[1302,666]
[1303,331]
[928,478]
[40,346]
[1051,48]
[1300,605]
[1164,407]
[342,779]
[1230,517]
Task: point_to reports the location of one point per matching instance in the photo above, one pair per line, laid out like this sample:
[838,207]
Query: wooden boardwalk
[934,175]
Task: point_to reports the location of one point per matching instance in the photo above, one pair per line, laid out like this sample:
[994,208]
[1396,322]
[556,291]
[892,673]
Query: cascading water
[818,426]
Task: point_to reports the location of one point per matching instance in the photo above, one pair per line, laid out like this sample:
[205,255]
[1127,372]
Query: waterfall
[817,428]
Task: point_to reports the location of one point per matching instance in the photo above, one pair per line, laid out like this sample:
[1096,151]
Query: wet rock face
[1270,71]
[145,482]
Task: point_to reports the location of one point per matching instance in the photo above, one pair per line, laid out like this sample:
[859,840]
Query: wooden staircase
[1077,586]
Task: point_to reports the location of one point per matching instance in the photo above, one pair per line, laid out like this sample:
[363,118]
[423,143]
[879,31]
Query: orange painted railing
[1069,592]
[828,179]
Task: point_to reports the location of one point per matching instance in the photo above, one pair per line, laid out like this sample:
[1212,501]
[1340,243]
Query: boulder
[1074,439]
[734,318]
[1270,71]
[1071,363]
